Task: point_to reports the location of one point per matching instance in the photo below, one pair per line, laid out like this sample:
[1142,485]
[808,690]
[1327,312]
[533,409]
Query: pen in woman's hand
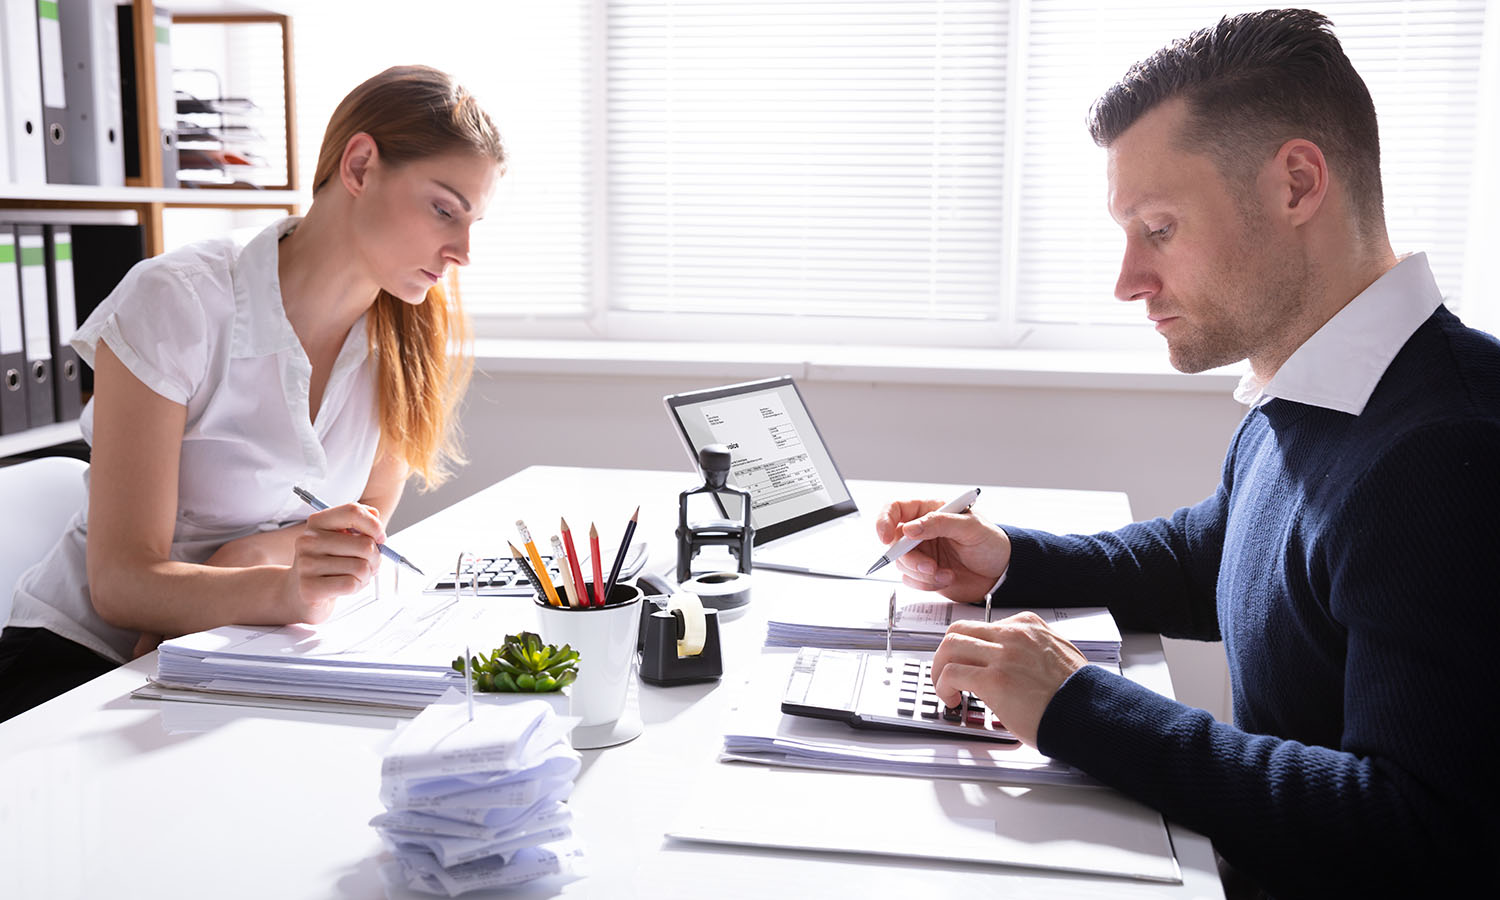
[308,498]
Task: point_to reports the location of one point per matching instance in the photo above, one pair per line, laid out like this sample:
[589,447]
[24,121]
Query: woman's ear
[360,154]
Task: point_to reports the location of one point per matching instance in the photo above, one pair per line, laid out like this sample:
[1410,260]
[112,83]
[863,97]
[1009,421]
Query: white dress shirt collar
[1338,367]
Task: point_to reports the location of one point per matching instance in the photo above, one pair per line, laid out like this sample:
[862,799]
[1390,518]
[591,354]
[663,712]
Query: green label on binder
[32,256]
[163,35]
[47,9]
[7,253]
[63,250]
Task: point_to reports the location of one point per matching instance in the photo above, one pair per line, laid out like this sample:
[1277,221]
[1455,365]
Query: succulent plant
[523,664]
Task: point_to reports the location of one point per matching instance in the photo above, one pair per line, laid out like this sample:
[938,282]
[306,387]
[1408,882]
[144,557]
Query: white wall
[1162,447]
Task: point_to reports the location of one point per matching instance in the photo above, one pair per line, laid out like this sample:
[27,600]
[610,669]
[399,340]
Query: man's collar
[1338,367]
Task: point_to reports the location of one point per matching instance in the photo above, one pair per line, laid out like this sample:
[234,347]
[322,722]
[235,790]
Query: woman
[317,355]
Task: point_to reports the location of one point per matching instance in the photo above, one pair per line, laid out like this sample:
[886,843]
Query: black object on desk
[714,461]
[661,629]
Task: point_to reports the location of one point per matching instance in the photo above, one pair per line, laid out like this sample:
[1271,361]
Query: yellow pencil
[536,561]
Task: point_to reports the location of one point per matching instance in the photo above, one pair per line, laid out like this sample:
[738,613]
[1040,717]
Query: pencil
[598,571]
[564,575]
[614,572]
[536,561]
[525,566]
[574,570]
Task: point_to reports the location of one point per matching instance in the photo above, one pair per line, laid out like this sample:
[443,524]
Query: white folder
[21,63]
[96,128]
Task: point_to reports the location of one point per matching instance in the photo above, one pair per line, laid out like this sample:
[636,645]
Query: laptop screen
[777,454]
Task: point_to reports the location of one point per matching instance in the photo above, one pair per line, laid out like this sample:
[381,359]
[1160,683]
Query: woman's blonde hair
[424,352]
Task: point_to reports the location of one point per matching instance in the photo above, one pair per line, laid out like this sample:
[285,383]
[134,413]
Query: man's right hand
[961,555]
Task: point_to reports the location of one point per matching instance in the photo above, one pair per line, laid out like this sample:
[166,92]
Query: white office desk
[102,795]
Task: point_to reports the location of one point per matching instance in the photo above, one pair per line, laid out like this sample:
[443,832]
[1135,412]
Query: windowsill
[1126,370]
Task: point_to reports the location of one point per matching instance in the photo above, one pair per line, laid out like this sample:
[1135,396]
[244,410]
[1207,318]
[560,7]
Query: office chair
[40,497]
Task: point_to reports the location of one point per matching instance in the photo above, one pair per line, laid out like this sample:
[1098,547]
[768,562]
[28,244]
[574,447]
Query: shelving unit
[146,194]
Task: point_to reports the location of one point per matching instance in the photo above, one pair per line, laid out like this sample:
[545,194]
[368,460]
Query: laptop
[804,516]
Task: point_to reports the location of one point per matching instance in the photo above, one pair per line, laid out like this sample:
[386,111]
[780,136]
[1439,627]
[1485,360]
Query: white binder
[54,93]
[96,128]
[166,98]
[21,64]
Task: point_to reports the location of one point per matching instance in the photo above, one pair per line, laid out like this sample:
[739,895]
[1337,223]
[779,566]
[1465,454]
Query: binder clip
[679,639]
[737,536]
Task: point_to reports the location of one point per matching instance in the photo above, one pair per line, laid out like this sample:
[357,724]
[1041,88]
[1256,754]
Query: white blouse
[203,326]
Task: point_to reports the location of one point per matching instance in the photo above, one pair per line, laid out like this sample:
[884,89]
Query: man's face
[1218,277]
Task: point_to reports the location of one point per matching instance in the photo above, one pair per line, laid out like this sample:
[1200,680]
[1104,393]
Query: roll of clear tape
[720,590]
[694,627]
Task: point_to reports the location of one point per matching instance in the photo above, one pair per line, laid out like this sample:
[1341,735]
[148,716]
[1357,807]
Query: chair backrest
[37,500]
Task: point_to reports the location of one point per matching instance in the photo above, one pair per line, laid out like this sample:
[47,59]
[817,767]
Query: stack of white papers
[851,615]
[383,654]
[757,731]
[478,804]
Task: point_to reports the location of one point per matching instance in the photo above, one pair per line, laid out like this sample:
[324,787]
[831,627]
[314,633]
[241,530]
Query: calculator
[854,686]
[502,576]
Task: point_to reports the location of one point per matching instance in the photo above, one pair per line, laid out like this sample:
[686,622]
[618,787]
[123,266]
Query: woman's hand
[961,555]
[336,555]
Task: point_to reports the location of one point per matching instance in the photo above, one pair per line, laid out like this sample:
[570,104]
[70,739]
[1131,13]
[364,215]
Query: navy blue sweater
[1349,563]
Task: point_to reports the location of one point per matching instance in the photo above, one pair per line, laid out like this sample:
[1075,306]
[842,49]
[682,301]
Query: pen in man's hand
[902,546]
[308,498]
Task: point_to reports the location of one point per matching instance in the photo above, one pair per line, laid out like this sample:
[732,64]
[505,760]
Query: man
[1347,557]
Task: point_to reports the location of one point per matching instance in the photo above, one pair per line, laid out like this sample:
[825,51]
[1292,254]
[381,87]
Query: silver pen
[890,625]
[902,546]
[308,498]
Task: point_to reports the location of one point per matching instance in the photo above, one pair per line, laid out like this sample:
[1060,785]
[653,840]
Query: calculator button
[952,713]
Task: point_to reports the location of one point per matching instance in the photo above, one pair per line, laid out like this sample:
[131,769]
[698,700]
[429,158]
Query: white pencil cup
[605,638]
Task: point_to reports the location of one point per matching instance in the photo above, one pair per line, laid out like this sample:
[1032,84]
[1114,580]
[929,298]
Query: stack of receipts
[755,730]
[851,615]
[478,804]
[382,655]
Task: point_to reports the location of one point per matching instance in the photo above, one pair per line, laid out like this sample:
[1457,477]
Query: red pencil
[598,566]
[573,569]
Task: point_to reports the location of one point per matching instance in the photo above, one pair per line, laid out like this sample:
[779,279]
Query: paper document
[393,653]
[851,615]
[1095,831]
[755,730]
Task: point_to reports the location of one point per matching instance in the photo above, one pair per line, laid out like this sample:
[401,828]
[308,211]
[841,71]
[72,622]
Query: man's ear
[360,154]
[1300,177]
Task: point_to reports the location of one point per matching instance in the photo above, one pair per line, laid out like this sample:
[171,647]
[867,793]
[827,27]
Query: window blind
[785,157]
[1420,59]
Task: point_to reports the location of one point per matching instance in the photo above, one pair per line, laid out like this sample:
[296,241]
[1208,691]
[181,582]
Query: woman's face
[413,220]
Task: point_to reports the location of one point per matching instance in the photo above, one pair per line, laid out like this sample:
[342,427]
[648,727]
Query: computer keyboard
[502,576]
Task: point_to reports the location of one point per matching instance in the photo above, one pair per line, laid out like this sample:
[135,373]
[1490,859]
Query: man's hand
[1015,666]
[336,555]
[961,555]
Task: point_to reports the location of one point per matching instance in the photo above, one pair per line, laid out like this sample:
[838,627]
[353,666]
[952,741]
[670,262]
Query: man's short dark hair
[1251,83]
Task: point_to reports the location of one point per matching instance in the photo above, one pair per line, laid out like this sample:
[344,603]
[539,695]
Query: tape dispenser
[679,638]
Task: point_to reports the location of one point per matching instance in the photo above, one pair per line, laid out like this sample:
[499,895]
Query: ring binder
[36,326]
[21,63]
[12,352]
[54,94]
[67,368]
